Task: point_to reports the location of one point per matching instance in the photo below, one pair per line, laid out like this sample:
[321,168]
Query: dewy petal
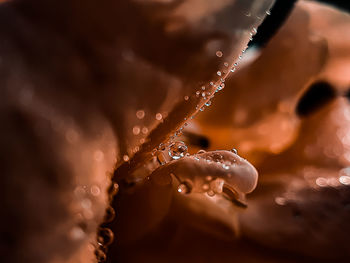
[256,113]
[236,172]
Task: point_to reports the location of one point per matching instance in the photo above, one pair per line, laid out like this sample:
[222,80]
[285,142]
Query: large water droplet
[177,150]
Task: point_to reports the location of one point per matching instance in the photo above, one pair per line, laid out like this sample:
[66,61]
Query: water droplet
[159,116]
[208,178]
[136,130]
[268,12]
[233,69]
[186,97]
[203,94]
[211,193]
[219,73]
[161,158]
[254,30]
[109,214]
[105,236]
[100,255]
[201,151]
[197,93]
[248,14]
[226,167]
[203,87]
[140,114]
[113,190]
[219,53]
[202,109]
[235,64]
[234,151]
[211,83]
[177,150]
[144,130]
[126,158]
[95,190]
[226,64]
[184,188]
[208,103]
[220,87]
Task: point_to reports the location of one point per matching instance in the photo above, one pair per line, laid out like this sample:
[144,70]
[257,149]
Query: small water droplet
[95,190]
[208,103]
[226,64]
[159,116]
[203,94]
[218,73]
[126,158]
[203,87]
[113,190]
[211,193]
[234,151]
[144,130]
[161,146]
[184,188]
[105,236]
[109,215]
[161,158]
[226,167]
[202,109]
[140,114]
[235,64]
[201,151]
[136,130]
[268,12]
[186,97]
[177,150]
[219,53]
[100,255]
[208,178]
[233,69]
[197,93]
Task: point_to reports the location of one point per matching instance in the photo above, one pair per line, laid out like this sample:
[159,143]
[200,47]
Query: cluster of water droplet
[105,235]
